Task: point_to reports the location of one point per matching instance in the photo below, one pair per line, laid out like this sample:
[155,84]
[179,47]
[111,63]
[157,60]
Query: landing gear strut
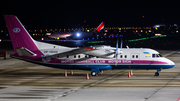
[157,73]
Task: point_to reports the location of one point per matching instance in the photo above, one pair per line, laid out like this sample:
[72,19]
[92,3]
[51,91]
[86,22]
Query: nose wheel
[157,73]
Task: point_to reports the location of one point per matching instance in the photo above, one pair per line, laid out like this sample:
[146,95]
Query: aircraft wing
[86,51]
[103,56]
[74,52]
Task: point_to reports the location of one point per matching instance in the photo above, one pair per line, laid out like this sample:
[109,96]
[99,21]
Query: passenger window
[132,56]
[136,56]
[121,56]
[125,56]
[67,56]
[74,56]
[79,56]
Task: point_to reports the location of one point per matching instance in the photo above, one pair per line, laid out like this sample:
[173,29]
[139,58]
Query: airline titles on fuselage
[98,61]
[50,51]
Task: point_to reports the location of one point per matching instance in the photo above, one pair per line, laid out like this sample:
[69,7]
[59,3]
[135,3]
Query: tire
[94,73]
[156,74]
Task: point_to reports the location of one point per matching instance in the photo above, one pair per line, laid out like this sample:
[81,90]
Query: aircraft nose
[171,63]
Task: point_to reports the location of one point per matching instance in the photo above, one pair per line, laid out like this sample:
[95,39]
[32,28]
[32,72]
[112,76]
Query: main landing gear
[157,73]
[95,72]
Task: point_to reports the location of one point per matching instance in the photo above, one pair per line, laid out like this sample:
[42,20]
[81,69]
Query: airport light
[0,40]
[146,38]
[157,34]
[78,34]
[96,41]
[48,33]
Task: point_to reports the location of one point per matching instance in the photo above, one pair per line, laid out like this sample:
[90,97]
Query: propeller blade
[121,43]
[117,46]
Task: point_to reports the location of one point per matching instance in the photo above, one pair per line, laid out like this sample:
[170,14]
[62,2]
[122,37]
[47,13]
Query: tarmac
[24,81]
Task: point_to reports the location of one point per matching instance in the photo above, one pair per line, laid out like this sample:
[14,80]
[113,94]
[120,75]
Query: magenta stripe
[61,61]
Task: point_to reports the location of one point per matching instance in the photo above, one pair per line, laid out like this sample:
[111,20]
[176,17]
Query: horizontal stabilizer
[24,52]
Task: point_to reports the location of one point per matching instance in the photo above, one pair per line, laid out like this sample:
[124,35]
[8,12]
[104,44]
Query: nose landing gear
[157,73]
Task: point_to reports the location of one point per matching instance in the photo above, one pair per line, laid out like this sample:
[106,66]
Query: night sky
[67,14]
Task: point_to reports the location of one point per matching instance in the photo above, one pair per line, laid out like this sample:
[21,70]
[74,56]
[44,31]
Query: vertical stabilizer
[18,34]
[100,27]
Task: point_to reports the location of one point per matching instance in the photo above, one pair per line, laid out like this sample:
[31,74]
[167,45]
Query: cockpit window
[156,55]
[160,55]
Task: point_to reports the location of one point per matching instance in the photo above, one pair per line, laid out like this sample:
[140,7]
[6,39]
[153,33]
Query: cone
[129,75]
[87,76]
[71,72]
[65,74]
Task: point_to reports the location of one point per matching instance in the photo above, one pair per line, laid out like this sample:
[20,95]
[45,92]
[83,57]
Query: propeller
[121,43]
[116,55]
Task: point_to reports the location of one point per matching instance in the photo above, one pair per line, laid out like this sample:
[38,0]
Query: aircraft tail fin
[100,27]
[18,34]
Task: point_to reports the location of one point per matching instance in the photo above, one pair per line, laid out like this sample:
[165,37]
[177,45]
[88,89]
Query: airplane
[77,35]
[94,58]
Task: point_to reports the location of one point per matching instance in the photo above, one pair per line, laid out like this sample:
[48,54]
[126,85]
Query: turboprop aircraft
[77,35]
[96,59]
